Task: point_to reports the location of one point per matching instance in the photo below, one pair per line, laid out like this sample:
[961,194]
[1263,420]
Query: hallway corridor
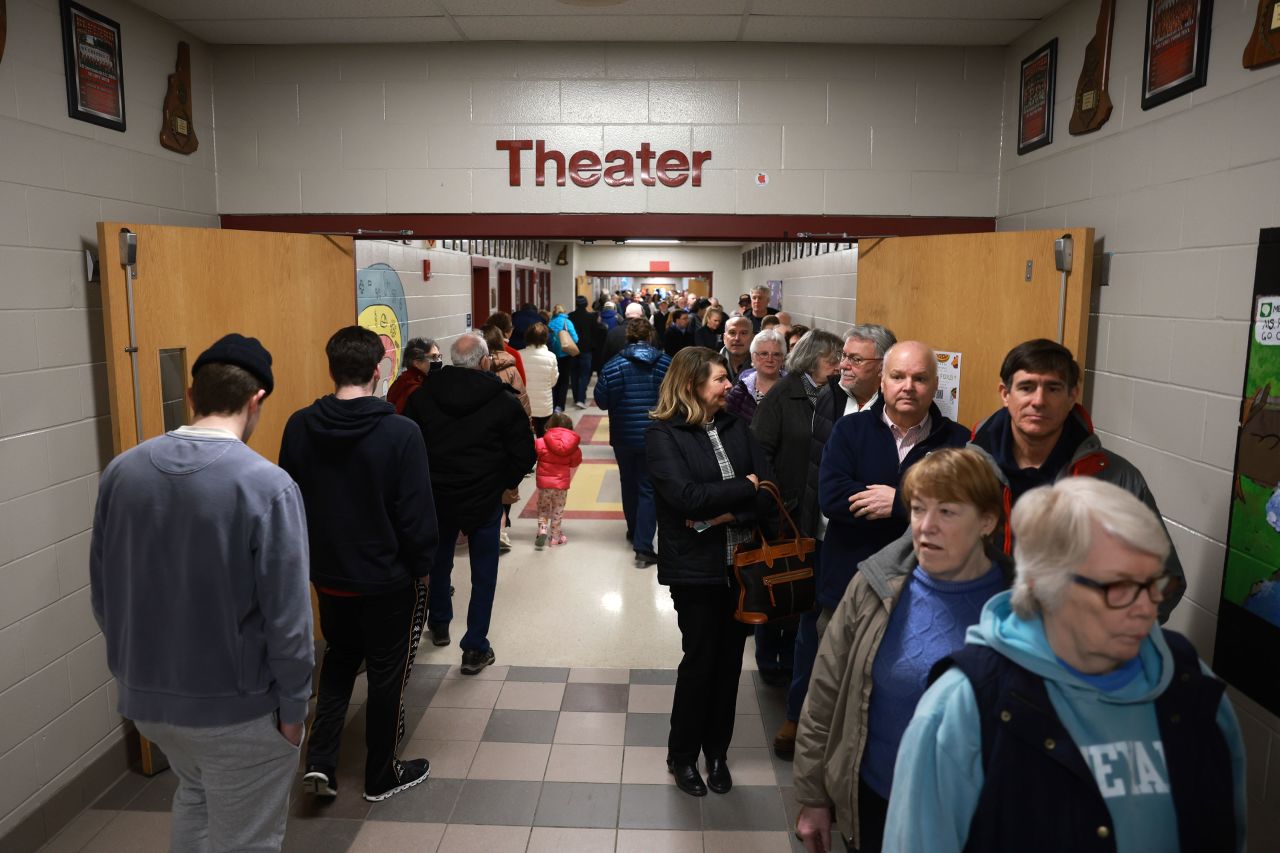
[559,747]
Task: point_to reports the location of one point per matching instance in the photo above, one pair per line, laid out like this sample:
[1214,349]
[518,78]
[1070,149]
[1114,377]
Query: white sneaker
[580,405]
[504,541]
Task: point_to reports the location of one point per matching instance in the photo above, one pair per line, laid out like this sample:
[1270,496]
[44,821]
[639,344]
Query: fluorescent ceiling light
[654,242]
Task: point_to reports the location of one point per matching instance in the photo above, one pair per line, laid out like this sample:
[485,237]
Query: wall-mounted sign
[762,179]
[617,167]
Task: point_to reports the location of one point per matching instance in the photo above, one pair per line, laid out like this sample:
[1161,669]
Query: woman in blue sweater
[907,607]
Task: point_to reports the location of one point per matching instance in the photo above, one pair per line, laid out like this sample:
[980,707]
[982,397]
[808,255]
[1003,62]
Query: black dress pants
[873,813]
[707,681]
[383,630]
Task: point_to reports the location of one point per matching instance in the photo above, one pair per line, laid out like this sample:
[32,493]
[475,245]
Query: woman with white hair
[768,355]
[1070,721]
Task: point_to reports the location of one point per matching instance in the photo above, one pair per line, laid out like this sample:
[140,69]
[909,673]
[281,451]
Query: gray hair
[816,345]
[417,349]
[762,288]
[1053,531]
[468,350]
[878,335]
[736,318]
[765,336]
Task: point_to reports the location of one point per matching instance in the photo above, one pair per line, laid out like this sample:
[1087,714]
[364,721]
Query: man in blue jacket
[218,674]
[865,459]
[628,390]
[365,482]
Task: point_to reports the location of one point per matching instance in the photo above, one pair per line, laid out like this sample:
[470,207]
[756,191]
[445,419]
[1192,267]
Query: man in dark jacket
[628,390]
[615,341]
[371,525]
[590,335]
[520,323]
[480,445]
[1042,435]
[865,459]
[679,332]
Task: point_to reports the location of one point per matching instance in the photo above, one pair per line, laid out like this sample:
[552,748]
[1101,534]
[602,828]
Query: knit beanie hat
[247,353]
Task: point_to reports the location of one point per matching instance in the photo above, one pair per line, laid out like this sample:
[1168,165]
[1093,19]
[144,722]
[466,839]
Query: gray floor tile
[647,729]
[609,698]
[521,726]
[658,807]
[653,676]
[157,795]
[430,802]
[429,670]
[538,673]
[350,803]
[745,808]
[119,795]
[583,804]
[497,802]
[419,691]
[320,835]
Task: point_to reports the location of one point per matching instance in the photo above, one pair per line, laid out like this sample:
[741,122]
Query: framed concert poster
[95,73]
[1176,52]
[1035,98]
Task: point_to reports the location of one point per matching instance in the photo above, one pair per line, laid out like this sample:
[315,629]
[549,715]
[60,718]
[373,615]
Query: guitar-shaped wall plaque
[1264,45]
[1093,103]
[178,133]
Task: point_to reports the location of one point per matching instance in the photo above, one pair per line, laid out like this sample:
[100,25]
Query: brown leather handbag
[775,579]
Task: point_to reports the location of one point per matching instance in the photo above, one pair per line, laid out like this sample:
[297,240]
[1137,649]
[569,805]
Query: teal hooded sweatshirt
[938,776]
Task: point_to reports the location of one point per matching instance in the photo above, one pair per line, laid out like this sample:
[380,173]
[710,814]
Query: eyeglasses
[857,360]
[1121,594]
[762,354]
[435,357]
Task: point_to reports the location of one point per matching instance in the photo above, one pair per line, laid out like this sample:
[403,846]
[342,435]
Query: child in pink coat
[558,456]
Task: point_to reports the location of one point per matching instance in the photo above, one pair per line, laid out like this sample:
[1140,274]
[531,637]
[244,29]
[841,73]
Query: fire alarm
[426,270]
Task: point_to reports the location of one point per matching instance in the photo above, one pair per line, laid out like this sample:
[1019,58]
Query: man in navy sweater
[865,459]
[372,522]
[218,675]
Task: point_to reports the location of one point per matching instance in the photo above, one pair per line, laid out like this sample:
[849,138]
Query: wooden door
[504,288]
[700,287]
[479,294]
[973,294]
[194,285]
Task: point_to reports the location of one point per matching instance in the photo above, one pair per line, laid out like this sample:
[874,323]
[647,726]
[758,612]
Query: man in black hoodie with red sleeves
[371,523]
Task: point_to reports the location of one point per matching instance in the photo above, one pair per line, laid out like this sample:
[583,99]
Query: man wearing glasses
[1042,435]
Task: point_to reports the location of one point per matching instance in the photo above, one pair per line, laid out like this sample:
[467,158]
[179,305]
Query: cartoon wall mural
[381,307]
[1249,610]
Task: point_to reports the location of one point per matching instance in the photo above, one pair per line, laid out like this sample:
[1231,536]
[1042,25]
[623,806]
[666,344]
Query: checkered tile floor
[523,760]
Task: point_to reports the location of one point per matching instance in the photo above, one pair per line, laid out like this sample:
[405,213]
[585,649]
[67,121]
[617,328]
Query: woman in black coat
[706,470]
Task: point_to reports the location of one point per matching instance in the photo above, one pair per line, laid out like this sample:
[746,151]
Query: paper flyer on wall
[948,395]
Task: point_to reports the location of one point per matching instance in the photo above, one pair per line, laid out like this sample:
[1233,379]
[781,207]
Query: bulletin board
[977,295]
[1249,610]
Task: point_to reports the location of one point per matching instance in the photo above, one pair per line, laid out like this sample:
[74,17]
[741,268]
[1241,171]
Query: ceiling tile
[660,28]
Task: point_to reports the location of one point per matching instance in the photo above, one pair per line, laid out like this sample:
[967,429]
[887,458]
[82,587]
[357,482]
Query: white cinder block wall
[1177,195]
[412,128]
[58,178]
[818,291]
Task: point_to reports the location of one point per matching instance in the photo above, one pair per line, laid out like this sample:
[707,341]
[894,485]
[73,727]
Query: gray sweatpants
[233,785]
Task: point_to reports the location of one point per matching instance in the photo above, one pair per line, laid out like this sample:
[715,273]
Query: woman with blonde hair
[706,470]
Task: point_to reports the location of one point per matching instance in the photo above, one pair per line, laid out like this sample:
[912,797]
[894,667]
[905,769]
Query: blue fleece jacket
[198,574]
[938,777]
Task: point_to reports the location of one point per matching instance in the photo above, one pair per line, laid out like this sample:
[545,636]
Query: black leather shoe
[718,778]
[688,779]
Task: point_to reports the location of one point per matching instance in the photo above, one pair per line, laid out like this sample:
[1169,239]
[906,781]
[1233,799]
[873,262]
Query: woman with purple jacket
[768,353]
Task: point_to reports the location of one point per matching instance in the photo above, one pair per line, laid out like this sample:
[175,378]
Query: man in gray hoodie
[198,573]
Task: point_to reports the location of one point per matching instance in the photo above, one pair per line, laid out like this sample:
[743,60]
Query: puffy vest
[1040,795]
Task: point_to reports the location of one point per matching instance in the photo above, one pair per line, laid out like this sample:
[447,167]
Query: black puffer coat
[687,485]
[479,442]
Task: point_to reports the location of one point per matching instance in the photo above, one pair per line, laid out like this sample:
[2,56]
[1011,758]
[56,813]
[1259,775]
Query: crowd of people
[986,629]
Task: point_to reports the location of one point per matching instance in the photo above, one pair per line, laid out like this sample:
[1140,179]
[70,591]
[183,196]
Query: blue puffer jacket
[628,389]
